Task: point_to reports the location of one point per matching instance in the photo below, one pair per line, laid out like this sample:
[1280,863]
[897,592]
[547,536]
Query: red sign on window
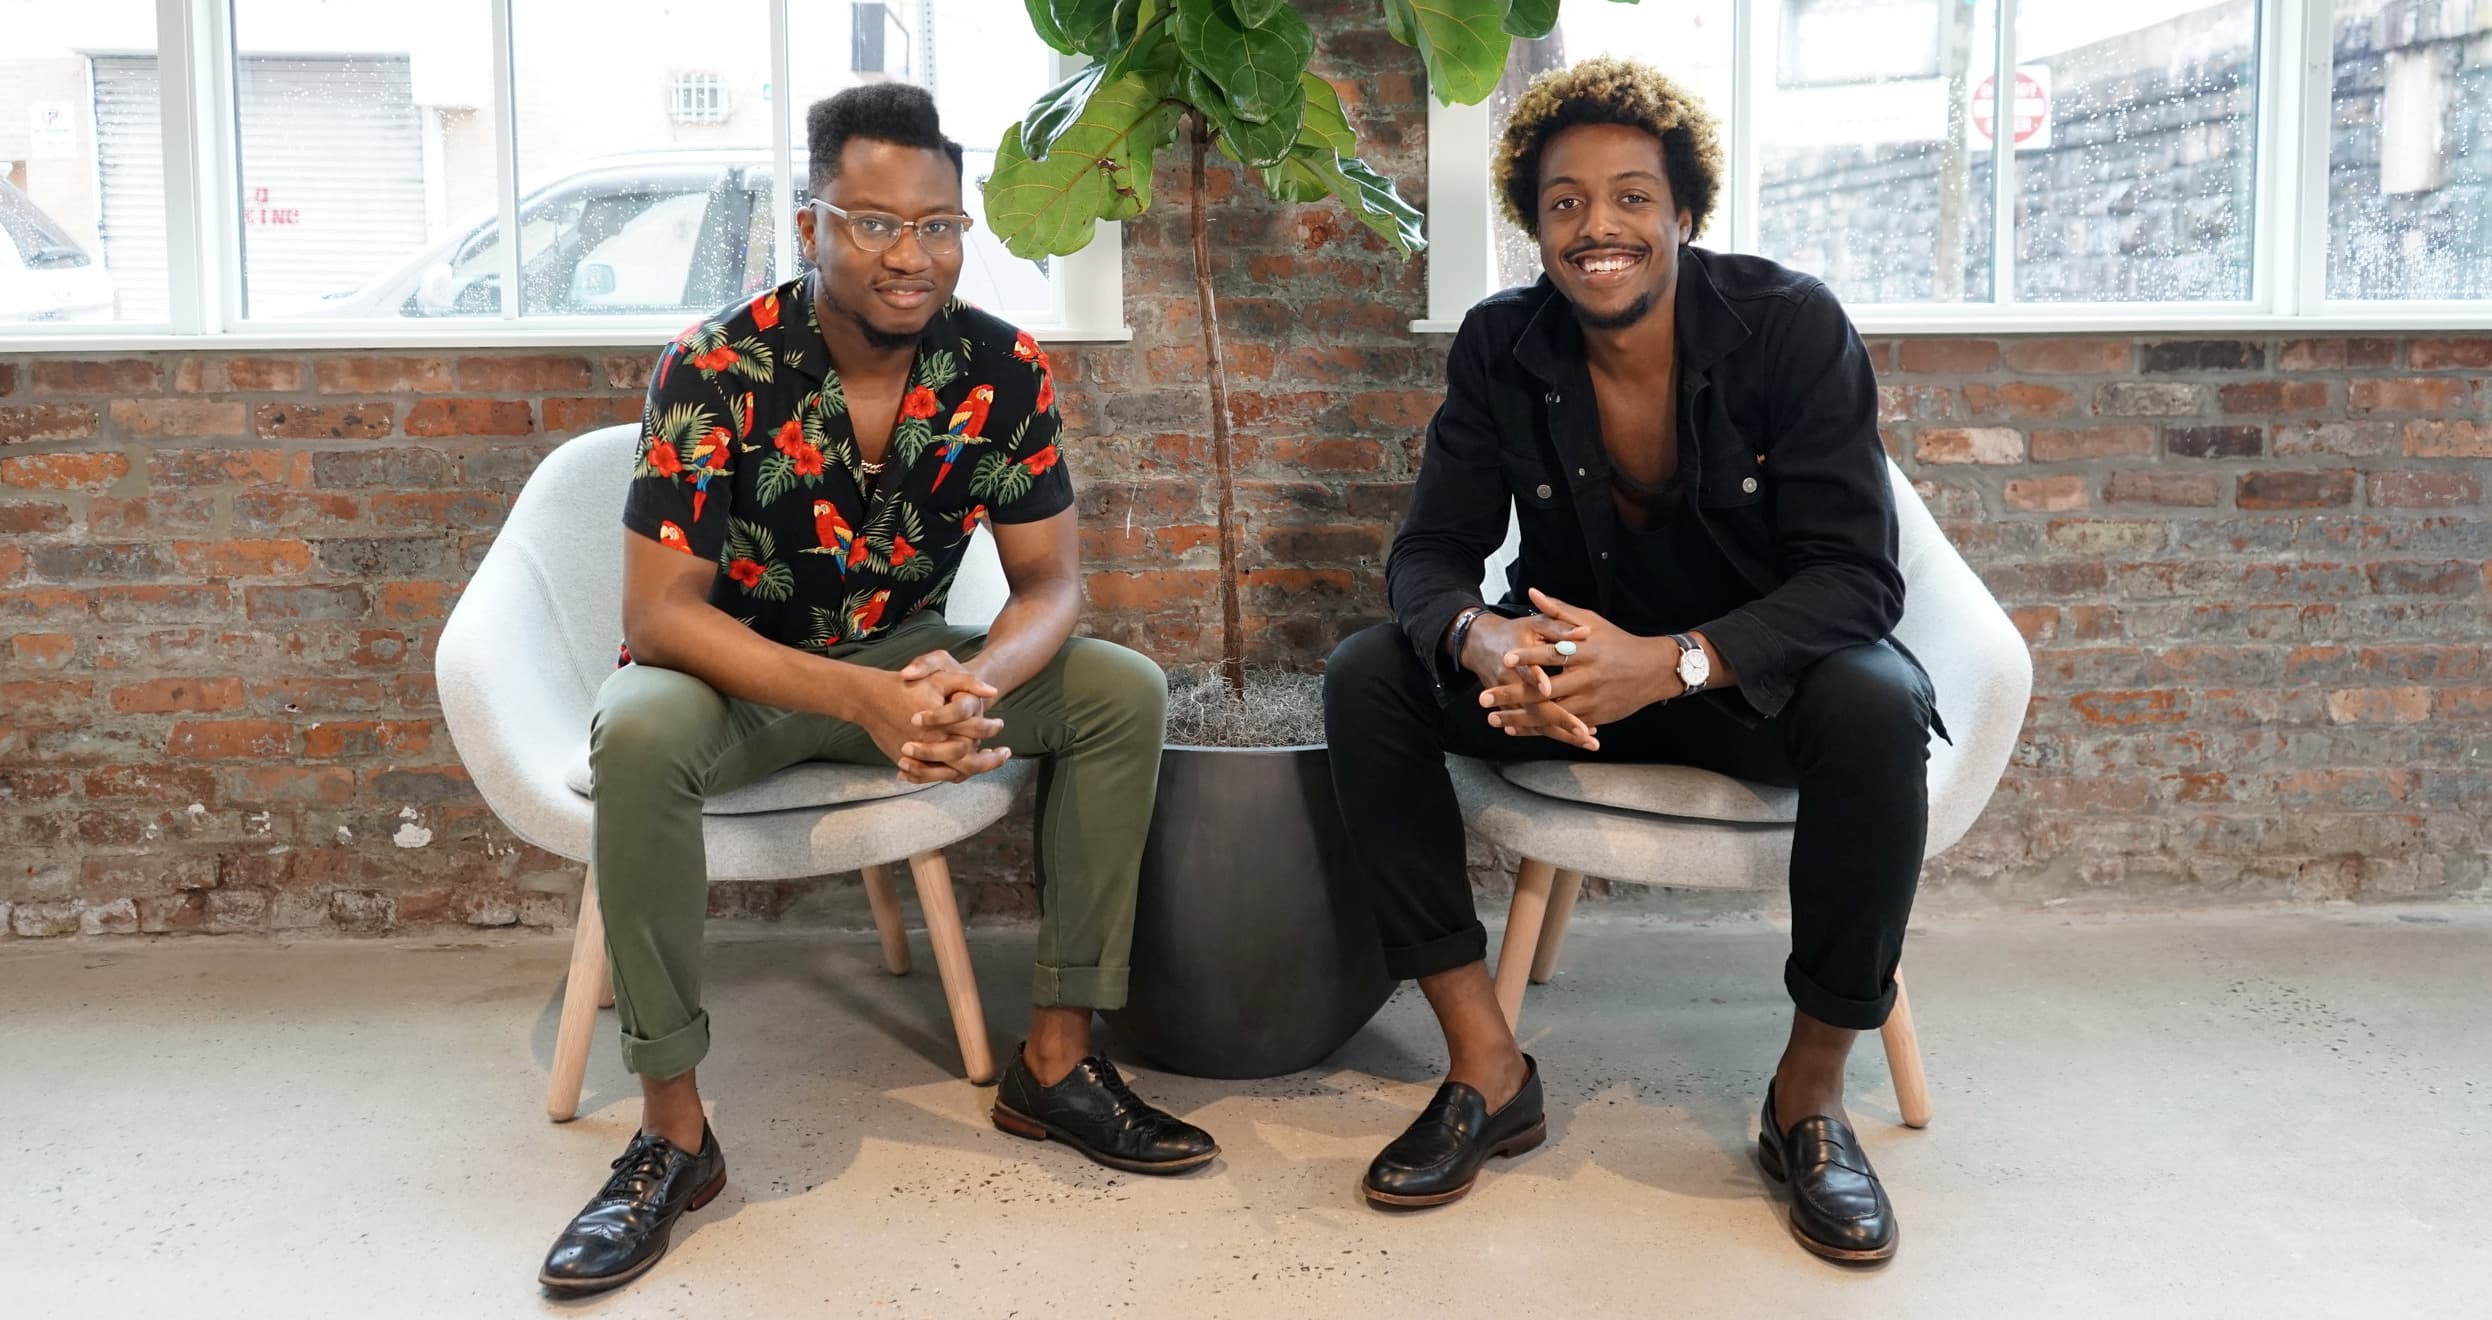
[259,212]
[2030,120]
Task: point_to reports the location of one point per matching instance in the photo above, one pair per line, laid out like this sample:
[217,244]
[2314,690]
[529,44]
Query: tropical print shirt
[748,459]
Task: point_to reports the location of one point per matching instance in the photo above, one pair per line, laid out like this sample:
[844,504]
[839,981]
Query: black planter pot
[1254,952]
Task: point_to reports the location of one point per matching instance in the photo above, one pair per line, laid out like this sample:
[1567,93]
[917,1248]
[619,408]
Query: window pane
[2137,132]
[366,156]
[1689,40]
[1872,176]
[82,233]
[984,66]
[2410,151]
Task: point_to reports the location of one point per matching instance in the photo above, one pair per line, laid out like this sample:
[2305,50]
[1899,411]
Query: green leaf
[1246,142]
[1532,19]
[1098,169]
[1326,122]
[1464,43]
[1089,25]
[1000,480]
[910,439]
[1257,67]
[778,477]
[937,368]
[1054,112]
[1312,172]
[777,583]
[1401,24]
[1256,13]
[1043,22]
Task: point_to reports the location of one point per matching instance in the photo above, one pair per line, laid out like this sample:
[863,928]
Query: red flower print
[901,551]
[766,311]
[858,552]
[808,460]
[791,435]
[1041,461]
[920,404]
[1046,388]
[663,457]
[717,359]
[745,572]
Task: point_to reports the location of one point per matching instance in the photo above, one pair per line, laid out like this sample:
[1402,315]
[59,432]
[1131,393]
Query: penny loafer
[1838,1209]
[1438,1157]
[626,1227]
[1093,1111]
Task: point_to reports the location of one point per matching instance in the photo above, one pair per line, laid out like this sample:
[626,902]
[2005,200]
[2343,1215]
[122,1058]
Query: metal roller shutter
[130,164]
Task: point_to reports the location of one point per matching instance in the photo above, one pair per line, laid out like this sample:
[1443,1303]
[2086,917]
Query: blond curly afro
[1610,91]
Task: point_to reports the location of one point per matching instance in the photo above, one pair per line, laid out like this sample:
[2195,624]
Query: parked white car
[44,274]
[677,233]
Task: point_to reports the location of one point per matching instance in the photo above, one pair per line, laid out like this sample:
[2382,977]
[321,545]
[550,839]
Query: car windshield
[38,240]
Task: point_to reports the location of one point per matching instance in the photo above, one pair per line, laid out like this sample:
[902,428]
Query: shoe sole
[1770,1160]
[583,1287]
[1517,1144]
[1007,1119]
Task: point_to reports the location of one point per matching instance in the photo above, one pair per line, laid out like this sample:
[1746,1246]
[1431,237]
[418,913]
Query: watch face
[1694,668]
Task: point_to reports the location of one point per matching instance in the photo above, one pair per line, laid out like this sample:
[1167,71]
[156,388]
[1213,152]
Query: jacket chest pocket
[1535,485]
[1740,481]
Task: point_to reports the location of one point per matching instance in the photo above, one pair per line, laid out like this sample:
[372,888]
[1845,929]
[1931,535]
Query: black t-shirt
[748,458]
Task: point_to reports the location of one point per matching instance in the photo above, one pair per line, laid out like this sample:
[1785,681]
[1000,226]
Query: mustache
[1579,249]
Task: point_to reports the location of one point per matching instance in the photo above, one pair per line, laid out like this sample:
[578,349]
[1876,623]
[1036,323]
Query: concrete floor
[2280,1114]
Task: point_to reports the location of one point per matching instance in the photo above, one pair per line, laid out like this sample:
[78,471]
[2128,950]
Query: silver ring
[1566,648]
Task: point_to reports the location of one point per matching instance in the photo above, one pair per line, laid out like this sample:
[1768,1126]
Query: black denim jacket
[1778,437]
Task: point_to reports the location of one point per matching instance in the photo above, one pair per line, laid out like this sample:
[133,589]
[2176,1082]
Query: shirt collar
[807,353]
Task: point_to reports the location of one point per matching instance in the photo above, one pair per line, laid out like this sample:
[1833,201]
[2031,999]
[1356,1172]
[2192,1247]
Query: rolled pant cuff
[1078,987]
[670,1055]
[1442,954]
[1832,1009]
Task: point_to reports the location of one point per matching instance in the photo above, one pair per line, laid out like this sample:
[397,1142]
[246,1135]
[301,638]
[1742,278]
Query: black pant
[1854,739]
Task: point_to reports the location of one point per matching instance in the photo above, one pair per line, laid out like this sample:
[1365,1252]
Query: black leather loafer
[1094,1112]
[626,1227]
[1438,1157]
[1838,1210]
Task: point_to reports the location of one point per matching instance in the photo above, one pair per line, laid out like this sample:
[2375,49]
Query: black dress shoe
[626,1227]
[1438,1158]
[1094,1112]
[1838,1210]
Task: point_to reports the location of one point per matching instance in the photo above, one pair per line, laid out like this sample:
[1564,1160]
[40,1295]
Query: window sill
[2099,321]
[350,337]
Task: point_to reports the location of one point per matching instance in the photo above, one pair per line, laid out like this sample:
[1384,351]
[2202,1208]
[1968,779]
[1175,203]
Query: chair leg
[1523,922]
[588,981]
[1903,1060]
[886,901]
[1562,895]
[951,950]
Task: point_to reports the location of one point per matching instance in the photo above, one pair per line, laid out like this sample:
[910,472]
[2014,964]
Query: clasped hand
[1610,674]
[932,720]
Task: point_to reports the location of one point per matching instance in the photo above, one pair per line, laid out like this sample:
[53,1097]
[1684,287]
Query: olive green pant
[662,741]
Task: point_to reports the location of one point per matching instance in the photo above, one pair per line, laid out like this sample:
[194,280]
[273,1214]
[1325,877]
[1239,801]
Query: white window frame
[2289,224]
[203,244]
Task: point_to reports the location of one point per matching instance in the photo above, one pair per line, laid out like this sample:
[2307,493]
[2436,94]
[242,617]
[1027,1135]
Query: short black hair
[1610,91]
[895,112]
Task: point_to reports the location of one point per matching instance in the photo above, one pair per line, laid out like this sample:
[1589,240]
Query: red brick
[255,375]
[28,650]
[220,559]
[382,375]
[345,421]
[29,517]
[572,416]
[326,784]
[2426,577]
[2071,357]
[2351,439]
[45,422]
[163,603]
[213,467]
[2399,705]
[2159,706]
[174,512]
[2276,396]
[149,783]
[116,376]
[41,604]
[1394,409]
[440,417]
[319,696]
[166,696]
[8,379]
[2442,354]
[1149,591]
[178,418]
[2171,489]
[48,700]
[2420,394]
[280,511]
[2463,703]
[417,602]
[436,509]
[1948,356]
[1981,444]
[367,738]
[2213,441]
[2036,494]
[2095,442]
[2295,490]
[63,471]
[629,372]
[2312,355]
[229,740]
[336,601]
[2019,399]
[2428,439]
[2425,490]
[522,375]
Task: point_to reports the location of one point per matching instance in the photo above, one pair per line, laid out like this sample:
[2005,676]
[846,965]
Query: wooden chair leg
[886,901]
[951,950]
[1903,1060]
[588,981]
[1562,895]
[1523,922]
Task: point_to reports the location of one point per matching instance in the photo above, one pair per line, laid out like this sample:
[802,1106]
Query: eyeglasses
[876,231]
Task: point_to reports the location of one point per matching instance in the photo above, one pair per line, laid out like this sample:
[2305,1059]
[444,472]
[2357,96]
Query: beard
[881,340]
[1620,319]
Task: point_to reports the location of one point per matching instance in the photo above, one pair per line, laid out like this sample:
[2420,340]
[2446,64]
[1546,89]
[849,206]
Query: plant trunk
[1232,621]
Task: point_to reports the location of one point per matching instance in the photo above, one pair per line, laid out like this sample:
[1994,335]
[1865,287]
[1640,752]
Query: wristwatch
[1694,668]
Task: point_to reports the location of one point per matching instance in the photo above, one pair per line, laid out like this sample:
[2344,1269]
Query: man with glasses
[812,465]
